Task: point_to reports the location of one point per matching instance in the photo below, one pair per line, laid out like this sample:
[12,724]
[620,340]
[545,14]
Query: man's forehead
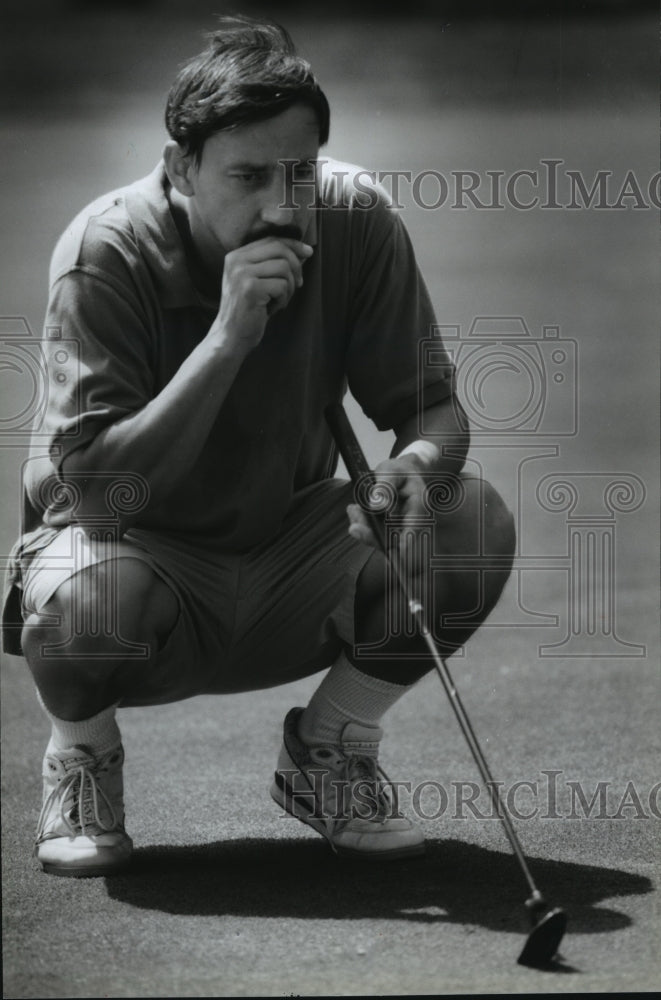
[294,134]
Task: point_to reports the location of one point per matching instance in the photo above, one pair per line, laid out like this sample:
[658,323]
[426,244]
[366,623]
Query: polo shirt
[123,287]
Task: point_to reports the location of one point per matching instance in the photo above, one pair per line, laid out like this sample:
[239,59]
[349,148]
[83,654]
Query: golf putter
[548,925]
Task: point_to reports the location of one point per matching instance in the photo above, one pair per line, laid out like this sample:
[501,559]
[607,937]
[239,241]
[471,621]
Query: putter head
[544,939]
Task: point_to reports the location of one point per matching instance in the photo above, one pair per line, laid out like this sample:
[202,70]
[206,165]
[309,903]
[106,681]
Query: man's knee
[499,530]
[473,520]
[104,609]
[475,541]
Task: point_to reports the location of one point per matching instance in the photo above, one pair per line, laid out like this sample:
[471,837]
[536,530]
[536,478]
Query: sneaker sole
[279,795]
[82,872]
[89,868]
[92,871]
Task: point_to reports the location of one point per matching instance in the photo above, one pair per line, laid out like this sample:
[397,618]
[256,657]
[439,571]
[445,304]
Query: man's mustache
[279,232]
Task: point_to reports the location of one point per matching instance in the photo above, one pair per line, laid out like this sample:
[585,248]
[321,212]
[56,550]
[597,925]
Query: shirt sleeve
[391,317]
[98,356]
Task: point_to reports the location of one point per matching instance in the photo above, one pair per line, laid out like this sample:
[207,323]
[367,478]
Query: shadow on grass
[454,882]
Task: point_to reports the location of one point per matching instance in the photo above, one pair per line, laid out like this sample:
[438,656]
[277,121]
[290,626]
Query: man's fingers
[359,526]
[278,270]
[302,250]
[270,247]
[257,248]
[362,534]
[277,292]
[388,480]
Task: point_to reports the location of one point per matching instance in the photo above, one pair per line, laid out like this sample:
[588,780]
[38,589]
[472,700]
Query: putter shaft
[359,471]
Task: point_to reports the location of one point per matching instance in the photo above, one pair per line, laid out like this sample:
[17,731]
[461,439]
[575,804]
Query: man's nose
[276,208]
[274,215]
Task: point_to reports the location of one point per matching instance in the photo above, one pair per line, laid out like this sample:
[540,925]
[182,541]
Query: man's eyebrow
[247,165]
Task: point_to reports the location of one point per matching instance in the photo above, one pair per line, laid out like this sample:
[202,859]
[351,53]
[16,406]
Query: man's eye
[250,179]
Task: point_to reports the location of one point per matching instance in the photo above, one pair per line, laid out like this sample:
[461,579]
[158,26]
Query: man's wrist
[432,458]
[225,344]
[428,453]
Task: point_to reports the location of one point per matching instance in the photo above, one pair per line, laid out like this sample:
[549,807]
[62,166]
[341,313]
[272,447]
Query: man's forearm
[162,441]
[444,444]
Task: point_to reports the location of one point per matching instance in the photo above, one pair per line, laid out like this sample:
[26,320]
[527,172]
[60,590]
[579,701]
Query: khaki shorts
[247,621]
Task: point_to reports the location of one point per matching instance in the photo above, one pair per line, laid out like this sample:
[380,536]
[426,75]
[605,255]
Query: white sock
[346,695]
[100,733]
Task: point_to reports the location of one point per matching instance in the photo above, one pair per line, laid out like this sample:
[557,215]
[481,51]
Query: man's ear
[179,168]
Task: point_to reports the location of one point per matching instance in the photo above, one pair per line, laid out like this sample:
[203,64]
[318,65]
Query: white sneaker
[342,793]
[81,827]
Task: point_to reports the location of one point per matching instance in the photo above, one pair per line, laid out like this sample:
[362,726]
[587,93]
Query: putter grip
[347,442]
[355,461]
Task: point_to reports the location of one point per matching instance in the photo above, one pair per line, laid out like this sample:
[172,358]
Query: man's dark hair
[249,72]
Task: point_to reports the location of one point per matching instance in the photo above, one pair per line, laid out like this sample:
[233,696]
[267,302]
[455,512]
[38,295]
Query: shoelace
[86,807]
[362,768]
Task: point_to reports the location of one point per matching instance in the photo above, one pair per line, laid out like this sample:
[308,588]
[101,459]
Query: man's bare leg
[338,734]
[82,672]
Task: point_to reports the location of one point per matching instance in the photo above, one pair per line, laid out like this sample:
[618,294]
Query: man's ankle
[99,732]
